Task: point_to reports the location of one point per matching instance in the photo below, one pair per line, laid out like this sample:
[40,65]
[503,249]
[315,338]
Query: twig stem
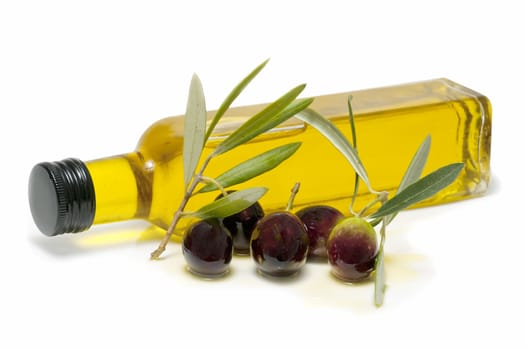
[215,183]
[294,191]
[177,215]
[381,197]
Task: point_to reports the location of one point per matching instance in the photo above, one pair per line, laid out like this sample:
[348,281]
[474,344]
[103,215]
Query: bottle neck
[120,189]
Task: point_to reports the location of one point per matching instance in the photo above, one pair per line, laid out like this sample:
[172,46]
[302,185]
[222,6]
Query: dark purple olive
[207,248]
[241,226]
[319,221]
[279,244]
[352,249]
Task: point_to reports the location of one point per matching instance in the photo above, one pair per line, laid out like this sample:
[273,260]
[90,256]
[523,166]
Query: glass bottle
[391,122]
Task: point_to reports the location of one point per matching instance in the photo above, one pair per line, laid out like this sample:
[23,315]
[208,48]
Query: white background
[85,79]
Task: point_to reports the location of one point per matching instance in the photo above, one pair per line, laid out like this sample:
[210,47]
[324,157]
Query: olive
[352,249]
[207,248]
[241,226]
[319,221]
[279,244]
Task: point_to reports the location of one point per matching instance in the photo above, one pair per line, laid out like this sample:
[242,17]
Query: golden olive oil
[391,123]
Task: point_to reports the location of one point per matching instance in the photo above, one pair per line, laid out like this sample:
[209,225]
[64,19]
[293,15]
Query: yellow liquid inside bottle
[391,123]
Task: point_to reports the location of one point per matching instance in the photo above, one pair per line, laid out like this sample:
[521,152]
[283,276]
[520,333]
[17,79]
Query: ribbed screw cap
[61,197]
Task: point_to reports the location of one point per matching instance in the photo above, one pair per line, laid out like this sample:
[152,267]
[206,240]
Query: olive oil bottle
[391,122]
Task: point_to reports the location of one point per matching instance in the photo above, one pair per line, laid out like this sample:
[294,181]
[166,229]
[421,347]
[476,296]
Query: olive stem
[179,213]
[214,182]
[353,212]
[381,197]
[294,191]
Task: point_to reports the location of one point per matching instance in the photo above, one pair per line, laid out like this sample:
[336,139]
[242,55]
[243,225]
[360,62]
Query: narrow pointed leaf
[354,142]
[272,115]
[232,96]
[231,204]
[380,279]
[194,129]
[420,190]
[254,166]
[415,169]
[338,140]
[352,123]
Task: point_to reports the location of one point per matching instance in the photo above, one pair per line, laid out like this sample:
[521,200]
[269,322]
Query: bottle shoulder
[162,139]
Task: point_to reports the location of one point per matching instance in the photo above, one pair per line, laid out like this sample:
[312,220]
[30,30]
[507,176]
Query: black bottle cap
[61,197]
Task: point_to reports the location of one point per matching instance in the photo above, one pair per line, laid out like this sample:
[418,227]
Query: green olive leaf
[232,96]
[415,169]
[253,167]
[337,139]
[354,142]
[231,204]
[271,116]
[194,129]
[380,279]
[420,190]
[352,123]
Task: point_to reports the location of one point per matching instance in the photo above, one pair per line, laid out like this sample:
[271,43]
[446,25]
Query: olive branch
[195,136]
[412,188]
